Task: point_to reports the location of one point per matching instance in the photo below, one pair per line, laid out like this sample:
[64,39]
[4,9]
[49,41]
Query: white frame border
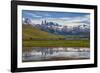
[52,63]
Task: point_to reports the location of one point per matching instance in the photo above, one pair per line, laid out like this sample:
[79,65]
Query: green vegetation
[58,43]
[30,33]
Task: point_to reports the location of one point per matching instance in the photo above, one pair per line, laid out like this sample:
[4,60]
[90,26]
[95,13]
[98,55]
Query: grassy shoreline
[57,43]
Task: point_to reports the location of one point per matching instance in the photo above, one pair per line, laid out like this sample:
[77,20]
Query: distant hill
[29,32]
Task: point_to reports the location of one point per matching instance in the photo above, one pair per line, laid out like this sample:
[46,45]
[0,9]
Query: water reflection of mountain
[46,53]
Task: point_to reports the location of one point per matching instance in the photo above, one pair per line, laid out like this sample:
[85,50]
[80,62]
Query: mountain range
[56,28]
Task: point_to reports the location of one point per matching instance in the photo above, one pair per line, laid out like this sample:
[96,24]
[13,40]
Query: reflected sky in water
[51,54]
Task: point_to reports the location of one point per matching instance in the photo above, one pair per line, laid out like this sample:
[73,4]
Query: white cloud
[78,19]
[47,15]
[42,14]
[33,15]
[69,21]
[23,19]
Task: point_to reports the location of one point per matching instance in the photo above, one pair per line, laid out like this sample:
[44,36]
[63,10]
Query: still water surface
[51,54]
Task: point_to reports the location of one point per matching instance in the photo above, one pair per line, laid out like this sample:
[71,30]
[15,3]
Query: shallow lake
[55,53]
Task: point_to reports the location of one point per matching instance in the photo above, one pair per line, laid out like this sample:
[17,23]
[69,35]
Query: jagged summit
[56,28]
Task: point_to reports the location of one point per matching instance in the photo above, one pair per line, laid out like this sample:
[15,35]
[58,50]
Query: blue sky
[60,17]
